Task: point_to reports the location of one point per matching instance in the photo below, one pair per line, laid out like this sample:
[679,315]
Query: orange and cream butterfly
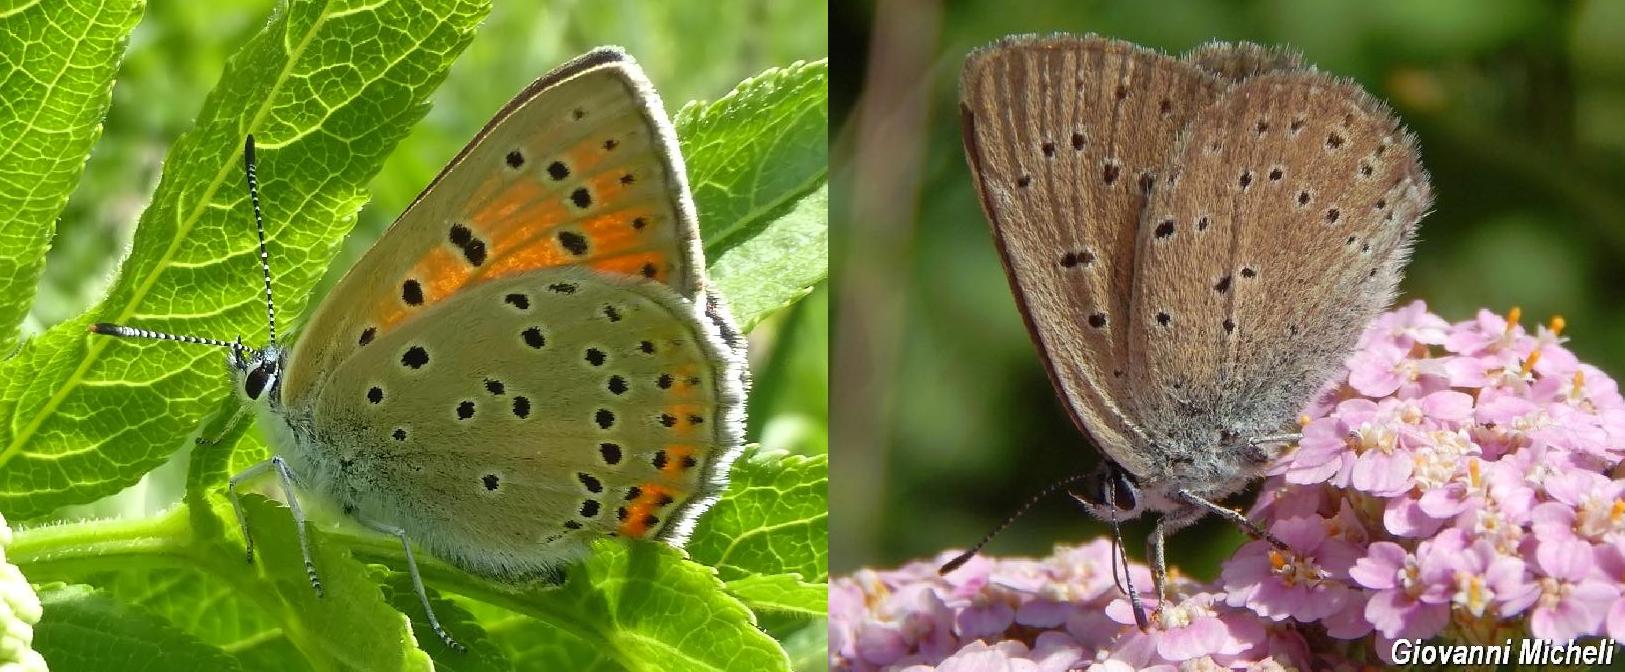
[527,359]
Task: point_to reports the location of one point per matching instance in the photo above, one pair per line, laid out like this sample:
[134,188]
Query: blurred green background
[945,421]
[689,50]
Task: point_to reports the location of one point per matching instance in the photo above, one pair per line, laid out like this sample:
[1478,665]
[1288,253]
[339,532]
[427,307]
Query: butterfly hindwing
[530,413]
[580,169]
[1287,176]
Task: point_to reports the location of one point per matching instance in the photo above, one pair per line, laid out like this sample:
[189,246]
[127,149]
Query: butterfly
[526,360]
[1195,245]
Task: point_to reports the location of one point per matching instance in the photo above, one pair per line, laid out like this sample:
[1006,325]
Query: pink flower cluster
[1461,482]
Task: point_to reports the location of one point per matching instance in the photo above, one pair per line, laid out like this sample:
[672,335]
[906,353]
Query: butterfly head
[256,373]
[1110,493]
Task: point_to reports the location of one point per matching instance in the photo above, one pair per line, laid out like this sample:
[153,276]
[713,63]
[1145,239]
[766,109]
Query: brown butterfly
[1195,244]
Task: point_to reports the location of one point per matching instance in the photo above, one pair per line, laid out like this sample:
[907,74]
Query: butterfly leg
[417,580]
[1235,518]
[237,504]
[1156,551]
[285,477]
[1157,554]
[231,424]
[1275,438]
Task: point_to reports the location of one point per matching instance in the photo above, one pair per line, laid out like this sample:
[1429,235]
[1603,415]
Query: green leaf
[773,519]
[327,89]
[350,625]
[640,606]
[780,264]
[482,653]
[216,452]
[231,622]
[808,646]
[782,593]
[56,82]
[789,398]
[758,162]
[535,647]
[83,629]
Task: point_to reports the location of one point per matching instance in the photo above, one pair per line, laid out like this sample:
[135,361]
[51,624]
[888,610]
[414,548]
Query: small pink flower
[1484,577]
[1574,598]
[1005,656]
[1611,564]
[1587,506]
[914,618]
[1381,467]
[1084,571]
[1412,598]
[1304,585]
[986,616]
[1404,517]
[1489,332]
[1320,454]
[1379,370]
[1407,326]
[1194,627]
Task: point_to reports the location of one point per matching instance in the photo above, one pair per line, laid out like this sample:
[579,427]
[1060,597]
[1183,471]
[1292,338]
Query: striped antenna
[259,225]
[964,557]
[136,332]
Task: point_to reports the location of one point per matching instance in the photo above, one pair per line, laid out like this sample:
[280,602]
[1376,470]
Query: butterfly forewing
[573,403]
[1065,137]
[587,174]
[1237,61]
[1281,233]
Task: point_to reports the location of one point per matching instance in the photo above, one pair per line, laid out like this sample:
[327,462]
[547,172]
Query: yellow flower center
[1294,571]
[1471,593]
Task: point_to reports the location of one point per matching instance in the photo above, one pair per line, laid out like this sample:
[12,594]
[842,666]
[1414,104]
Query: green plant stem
[75,551]
[64,552]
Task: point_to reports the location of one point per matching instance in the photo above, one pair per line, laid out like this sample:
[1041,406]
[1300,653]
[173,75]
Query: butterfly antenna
[962,558]
[122,331]
[259,225]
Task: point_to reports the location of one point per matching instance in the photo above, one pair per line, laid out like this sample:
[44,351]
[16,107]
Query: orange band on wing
[614,232]
[441,273]
[642,264]
[679,458]
[642,513]
[540,255]
[686,419]
[514,203]
[686,380]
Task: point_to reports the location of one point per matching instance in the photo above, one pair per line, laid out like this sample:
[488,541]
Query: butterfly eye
[254,384]
[1125,495]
